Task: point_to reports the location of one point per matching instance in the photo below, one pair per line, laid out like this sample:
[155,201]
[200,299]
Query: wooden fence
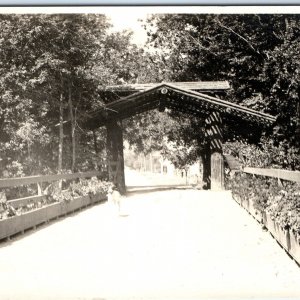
[13,182]
[32,218]
[275,173]
[288,239]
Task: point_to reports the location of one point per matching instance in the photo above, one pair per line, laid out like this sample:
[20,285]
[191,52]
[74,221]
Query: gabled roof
[204,86]
[173,97]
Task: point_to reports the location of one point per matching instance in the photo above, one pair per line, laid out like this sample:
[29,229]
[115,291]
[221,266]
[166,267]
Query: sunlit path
[171,244]
[135,179]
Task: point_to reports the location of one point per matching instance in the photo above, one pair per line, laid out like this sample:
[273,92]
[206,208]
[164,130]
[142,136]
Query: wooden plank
[276,173]
[12,182]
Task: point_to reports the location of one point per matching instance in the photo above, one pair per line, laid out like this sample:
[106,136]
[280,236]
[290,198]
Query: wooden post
[215,136]
[115,157]
[206,165]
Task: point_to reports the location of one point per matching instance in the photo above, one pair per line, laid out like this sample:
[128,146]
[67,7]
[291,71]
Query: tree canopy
[53,69]
[258,54]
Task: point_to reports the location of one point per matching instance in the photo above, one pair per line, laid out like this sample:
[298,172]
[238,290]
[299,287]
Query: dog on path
[114,197]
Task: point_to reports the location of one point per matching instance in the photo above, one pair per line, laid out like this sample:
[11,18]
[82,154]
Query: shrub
[91,186]
[53,193]
[266,154]
[280,200]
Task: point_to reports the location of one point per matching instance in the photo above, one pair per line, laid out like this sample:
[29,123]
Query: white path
[134,178]
[179,244]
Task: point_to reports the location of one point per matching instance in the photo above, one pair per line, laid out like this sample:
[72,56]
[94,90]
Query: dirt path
[179,244]
[134,178]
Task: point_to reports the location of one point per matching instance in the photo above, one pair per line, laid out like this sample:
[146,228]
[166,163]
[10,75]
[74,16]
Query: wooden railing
[275,173]
[13,182]
[20,181]
[41,214]
[288,239]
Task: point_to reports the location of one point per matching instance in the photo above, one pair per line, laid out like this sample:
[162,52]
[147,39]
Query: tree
[53,69]
[256,53]
[45,69]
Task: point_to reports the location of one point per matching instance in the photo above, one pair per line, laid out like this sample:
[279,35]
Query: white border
[155,9]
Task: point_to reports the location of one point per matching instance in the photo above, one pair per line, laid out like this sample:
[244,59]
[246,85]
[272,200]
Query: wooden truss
[181,97]
[172,97]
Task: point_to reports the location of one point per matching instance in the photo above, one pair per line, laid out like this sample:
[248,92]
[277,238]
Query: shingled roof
[204,86]
[166,95]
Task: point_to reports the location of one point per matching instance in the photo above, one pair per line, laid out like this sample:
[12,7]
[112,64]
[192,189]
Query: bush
[281,201]
[82,187]
[265,155]
[53,193]
[91,186]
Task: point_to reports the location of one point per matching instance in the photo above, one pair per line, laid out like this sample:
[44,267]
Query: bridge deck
[168,244]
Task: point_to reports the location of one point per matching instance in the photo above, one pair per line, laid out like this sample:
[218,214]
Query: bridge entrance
[200,99]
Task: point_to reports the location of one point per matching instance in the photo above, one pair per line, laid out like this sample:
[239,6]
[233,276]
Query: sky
[132,23]
[126,17]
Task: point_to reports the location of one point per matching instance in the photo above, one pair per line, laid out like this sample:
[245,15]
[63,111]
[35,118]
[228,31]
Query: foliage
[38,53]
[93,186]
[53,194]
[177,137]
[282,202]
[257,54]
[81,187]
[47,57]
[264,155]
[240,48]
[284,207]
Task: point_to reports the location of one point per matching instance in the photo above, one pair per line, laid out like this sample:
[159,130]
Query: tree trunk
[298,122]
[61,133]
[186,179]
[61,136]
[144,159]
[70,103]
[96,147]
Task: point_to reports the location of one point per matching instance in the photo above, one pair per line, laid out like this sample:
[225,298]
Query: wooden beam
[215,136]
[275,173]
[206,162]
[12,182]
[115,156]
[129,112]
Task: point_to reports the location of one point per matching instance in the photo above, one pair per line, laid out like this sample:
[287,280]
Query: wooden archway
[184,97]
